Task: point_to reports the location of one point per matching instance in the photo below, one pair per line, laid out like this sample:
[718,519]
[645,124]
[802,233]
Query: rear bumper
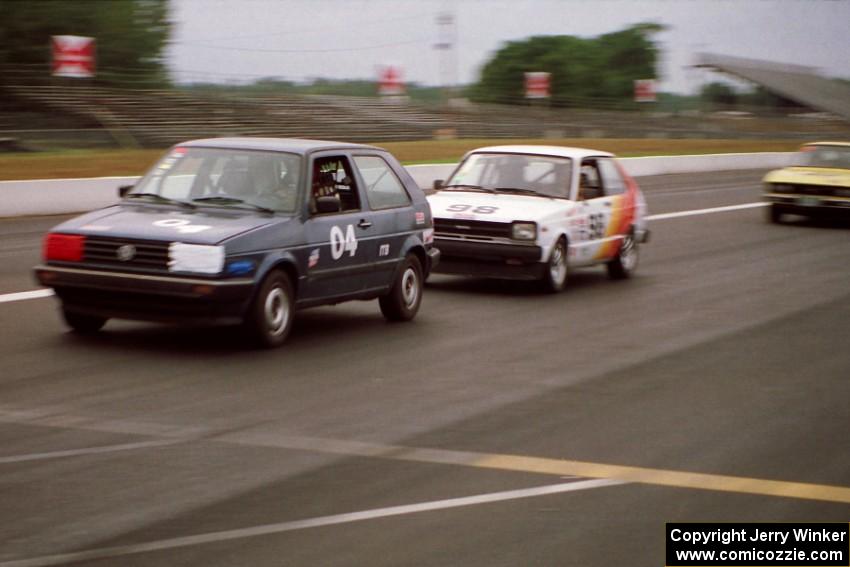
[146,297]
[490,259]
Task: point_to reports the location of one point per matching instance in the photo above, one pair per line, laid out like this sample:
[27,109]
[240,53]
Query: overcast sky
[241,40]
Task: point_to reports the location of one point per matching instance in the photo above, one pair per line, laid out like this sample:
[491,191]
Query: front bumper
[808,204]
[434,255]
[490,259]
[146,297]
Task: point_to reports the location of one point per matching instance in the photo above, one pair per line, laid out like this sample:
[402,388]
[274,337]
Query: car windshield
[824,156]
[251,180]
[514,173]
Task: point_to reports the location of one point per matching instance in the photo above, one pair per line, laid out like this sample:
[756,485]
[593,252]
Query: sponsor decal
[314,258]
[384,250]
[420,218]
[96,227]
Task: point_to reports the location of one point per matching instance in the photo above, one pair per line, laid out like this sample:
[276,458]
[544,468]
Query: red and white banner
[73,56]
[389,81]
[645,90]
[537,84]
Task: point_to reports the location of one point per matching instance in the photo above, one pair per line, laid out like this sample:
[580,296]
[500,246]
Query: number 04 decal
[342,243]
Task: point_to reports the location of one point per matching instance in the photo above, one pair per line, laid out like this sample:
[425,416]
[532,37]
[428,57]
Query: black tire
[557,268]
[269,318]
[403,301]
[83,324]
[774,214]
[624,264]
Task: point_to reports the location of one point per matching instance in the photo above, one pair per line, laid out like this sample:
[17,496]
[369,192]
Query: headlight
[524,231]
[196,258]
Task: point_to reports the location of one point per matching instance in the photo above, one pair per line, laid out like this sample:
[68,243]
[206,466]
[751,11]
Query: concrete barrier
[63,196]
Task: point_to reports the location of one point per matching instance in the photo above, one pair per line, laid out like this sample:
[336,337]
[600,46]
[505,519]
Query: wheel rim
[628,253]
[558,265]
[277,311]
[409,288]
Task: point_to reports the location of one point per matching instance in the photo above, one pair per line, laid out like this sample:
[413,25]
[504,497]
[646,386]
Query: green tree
[718,95]
[131,36]
[583,71]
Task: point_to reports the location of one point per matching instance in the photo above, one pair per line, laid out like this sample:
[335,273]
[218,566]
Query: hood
[502,207]
[201,226]
[810,176]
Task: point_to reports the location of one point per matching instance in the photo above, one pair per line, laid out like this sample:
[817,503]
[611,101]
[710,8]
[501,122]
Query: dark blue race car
[247,230]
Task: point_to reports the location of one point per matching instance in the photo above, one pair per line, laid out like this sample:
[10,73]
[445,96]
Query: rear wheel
[557,270]
[269,318]
[625,262]
[83,324]
[403,301]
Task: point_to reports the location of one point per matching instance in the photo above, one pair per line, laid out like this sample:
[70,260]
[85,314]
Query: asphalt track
[502,427]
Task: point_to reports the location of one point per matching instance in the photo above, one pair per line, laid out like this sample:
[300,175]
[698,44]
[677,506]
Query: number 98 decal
[342,243]
[480,210]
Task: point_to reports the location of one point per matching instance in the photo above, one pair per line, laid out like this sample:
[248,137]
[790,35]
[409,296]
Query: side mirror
[124,189]
[326,205]
[438,184]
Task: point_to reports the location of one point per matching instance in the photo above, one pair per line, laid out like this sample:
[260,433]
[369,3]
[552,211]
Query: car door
[593,213]
[337,262]
[392,216]
[620,208]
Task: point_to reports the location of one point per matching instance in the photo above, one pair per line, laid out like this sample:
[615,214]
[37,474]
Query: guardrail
[64,196]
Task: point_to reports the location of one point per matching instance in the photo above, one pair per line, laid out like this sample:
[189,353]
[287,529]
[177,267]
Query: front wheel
[774,214]
[625,262]
[83,324]
[269,318]
[403,301]
[555,276]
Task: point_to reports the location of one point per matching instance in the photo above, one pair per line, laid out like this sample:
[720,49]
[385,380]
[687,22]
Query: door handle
[364,223]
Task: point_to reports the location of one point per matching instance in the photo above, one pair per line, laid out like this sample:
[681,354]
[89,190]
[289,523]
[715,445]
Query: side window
[589,182]
[611,178]
[332,178]
[383,188]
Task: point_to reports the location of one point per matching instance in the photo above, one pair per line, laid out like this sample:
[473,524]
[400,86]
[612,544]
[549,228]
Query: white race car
[536,212]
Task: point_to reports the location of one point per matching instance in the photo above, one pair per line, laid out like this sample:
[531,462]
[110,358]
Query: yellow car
[818,183]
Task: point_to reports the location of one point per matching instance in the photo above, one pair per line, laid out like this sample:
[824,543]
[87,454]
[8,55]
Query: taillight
[63,247]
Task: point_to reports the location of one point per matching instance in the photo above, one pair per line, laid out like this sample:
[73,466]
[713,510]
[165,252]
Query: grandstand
[797,83]
[160,117]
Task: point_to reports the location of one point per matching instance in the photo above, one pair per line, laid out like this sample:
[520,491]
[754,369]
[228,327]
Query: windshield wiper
[465,187]
[527,192]
[159,198]
[225,201]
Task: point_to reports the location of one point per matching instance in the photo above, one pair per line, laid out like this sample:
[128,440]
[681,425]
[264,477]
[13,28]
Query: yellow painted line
[540,465]
[661,477]
[519,463]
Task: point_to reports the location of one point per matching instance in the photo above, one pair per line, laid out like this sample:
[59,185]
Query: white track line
[267,529]
[24,295]
[87,451]
[39,293]
[705,211]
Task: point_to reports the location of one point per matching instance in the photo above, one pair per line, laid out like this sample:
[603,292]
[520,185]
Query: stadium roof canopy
[800,84]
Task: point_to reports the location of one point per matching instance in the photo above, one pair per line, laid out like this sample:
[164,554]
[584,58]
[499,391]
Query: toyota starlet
[537,212]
